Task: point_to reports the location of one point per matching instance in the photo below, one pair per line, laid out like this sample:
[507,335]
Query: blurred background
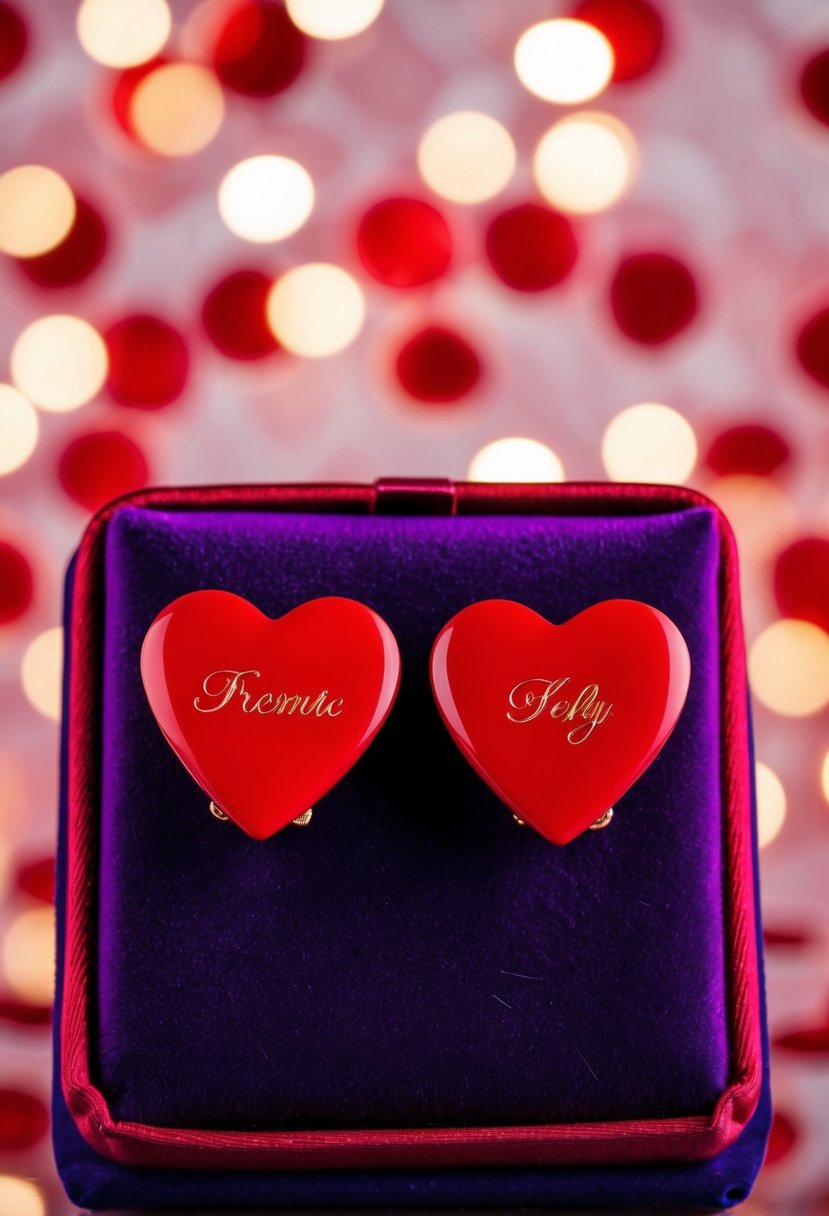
[334,239]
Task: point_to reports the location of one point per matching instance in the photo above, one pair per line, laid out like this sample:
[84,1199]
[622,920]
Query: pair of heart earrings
[268,715]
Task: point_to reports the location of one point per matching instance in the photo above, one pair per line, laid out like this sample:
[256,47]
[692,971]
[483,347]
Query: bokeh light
[24,1120]
[404,242]
[788,667]
[266,198]
[814,86]
[749,448]
[812,346]
[97,466]
[177,109]
[256,49]
[315,310]
[564,60]
[635,30]
[824,776]
[234,315]
[784,1137]
[148,362]
[438,366]
[16,583]
[121,33]
[801,580]
[516,459]
[333,19]
[530,247]
[653,297]
[466,157]
[771,804]
[37,208]
[75,257]
[59,362]
[20,1196]
[36,879]
[585,162]
[19,429]
[14,39]
[649,442]
[29,955]
[41,672]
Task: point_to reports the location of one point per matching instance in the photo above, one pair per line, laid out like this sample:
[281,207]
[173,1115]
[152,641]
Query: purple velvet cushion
[413,957]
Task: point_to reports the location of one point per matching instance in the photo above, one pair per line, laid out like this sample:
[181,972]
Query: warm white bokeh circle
[466,157]
[788,667]
[649,442]
[123,33]
[771,804]
[29,955]
[266,198]
[19,429]
[41,672]
[59,362]
[20,1196]
[315,310]
[177,109]
[515,459]
[333,19]
[824,776]
[585,162]
[37,209]
[564,60]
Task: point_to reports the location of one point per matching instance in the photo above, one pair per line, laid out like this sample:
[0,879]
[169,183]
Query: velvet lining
[367,972]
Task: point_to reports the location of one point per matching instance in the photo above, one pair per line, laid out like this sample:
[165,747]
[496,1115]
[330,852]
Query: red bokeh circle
[749,448]
[635,30]
[37,879]
[16,583]
[123,90]
[812,346]
[20,1013]
[782,1138]
[653,297]
[233,315]
[814,86]
[801,580]
[101,465]
[787,937]
[14,39]
[808,1040]
[257,50]
[24,1121]
[404,242]
[437,366]
[77,255]
[148,362]
[530,247]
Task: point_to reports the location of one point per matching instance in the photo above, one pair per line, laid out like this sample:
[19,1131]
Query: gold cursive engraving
[222,687]
[532,697]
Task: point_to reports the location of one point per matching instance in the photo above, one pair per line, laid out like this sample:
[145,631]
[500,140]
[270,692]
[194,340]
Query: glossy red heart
[267,715]
[560,720]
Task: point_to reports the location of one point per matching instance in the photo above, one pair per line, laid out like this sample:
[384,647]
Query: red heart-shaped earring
[267,715]
[560,720]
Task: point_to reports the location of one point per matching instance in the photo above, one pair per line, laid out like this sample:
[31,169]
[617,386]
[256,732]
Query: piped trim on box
[687,1138]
